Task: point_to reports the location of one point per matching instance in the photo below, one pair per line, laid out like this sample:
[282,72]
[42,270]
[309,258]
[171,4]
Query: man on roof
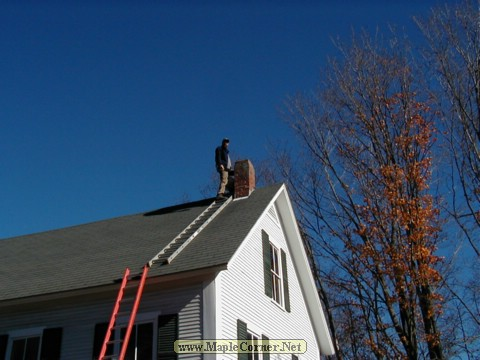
[224,168]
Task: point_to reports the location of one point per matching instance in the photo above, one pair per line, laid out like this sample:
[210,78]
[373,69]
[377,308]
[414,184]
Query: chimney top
[244,183]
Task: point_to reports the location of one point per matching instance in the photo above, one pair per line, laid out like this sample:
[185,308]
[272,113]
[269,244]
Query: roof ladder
[175,246]
[129,309]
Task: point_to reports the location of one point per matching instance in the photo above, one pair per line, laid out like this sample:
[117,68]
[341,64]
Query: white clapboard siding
[241,295]
[78,317]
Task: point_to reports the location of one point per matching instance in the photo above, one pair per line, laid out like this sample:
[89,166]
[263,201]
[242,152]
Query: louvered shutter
[3,346]
[267,264]
[51,344]
[286,292]
[242,335]
[266,355]
[167,335]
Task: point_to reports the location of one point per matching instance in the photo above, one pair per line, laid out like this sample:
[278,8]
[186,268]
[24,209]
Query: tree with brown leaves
[363,195]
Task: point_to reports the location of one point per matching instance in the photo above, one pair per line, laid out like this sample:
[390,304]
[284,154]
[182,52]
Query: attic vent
[273,214]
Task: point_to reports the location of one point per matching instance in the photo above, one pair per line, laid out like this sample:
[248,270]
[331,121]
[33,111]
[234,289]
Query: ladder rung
[120,326]
[173,248]
[160,260]
[126,299]
[123,313]
[114,341]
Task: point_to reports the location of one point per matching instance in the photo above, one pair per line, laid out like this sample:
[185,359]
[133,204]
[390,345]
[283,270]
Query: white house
[229,270]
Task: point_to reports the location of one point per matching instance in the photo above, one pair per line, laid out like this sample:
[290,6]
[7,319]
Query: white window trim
[274,241]
[255,330]
[278,256]
[22,334]
[256,334]
[278,245]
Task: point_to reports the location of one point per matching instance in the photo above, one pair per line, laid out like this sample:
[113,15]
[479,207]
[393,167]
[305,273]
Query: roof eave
[193,276]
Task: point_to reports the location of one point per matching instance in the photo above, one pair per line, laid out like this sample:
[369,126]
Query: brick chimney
[244,179]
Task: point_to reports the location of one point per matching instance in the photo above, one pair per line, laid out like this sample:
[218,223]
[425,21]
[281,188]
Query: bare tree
[453,35]
[362,192]
[453,38]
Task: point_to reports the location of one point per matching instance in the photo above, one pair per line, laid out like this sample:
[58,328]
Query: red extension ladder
[131,311]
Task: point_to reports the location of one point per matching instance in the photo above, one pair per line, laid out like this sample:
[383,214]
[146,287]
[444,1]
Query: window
[254,341]
[31,344]
[141,345]
[26,348]
[275,272]
[256,354]
[277,290]
[245,334]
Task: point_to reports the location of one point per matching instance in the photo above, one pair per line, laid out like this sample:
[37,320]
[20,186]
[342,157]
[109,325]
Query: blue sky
[112,108]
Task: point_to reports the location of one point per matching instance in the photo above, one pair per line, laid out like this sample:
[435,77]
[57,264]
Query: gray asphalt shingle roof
[97,253]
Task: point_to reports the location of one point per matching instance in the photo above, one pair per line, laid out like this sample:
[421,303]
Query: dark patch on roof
[180,207]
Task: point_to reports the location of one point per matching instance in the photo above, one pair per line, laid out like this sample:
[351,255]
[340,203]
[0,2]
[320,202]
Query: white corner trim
[209,309]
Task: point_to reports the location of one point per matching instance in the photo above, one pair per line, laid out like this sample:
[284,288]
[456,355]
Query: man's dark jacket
[221,157]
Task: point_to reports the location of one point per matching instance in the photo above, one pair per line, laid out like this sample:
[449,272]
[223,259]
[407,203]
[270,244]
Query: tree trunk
[433,337]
